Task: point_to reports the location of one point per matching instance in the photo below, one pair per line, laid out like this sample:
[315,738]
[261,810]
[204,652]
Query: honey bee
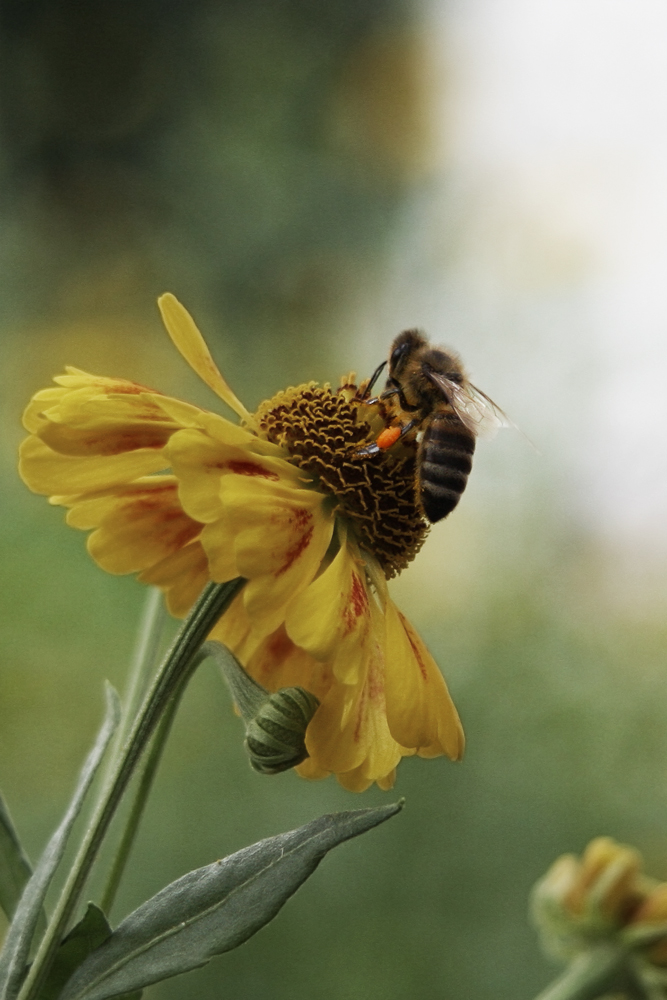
[447,410]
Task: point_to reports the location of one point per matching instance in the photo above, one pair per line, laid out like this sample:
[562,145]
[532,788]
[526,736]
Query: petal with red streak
[420,711]
[278,536]
[199,461]
[332,617]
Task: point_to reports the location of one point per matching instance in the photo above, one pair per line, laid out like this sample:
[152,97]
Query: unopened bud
[275,723]
[276,737]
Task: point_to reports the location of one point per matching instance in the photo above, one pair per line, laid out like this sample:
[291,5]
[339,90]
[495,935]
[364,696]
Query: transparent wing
[472,406]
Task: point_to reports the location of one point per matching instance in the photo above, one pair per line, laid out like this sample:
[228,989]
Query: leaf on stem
[15,868]
[213,909]
[19,936]
[92,930]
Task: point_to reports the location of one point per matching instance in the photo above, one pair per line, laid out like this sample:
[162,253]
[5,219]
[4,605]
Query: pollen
[324,430]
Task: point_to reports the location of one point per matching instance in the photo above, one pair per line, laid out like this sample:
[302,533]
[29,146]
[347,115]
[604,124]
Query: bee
[447,410]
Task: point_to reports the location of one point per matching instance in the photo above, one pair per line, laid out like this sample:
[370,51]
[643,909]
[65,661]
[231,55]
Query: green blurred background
[310,179]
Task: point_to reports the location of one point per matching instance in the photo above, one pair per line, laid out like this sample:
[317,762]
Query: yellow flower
[584,900]
[183,496]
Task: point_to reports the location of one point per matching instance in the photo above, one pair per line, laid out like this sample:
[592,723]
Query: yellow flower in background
[183,496]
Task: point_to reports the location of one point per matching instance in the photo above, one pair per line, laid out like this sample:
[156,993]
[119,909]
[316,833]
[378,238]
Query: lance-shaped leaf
[19,936]
[213,909]
[15,868]
[90,932]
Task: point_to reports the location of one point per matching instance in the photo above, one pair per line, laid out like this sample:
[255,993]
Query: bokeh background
[310,179]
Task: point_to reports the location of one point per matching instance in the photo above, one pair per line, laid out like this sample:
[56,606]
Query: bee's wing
[472,406]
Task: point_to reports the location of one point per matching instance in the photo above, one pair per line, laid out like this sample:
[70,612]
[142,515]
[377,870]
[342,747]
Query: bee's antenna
[373,379]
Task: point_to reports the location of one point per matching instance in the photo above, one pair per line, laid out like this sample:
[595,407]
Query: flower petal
[189,342]
[278,536]
[279,663]
[332,617]
[182,576]
[137,524]
[349,731]
[199,461]
[419,709]
[33,415]
[46,471]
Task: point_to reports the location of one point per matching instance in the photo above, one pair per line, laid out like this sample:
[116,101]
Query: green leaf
[213,909]
[91,931]
[15,868]
[19,936]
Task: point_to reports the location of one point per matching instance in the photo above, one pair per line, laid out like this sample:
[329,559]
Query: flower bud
[275,723]
[649,924]
[276,737]
[583,901]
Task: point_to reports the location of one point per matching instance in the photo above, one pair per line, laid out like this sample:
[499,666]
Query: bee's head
[403,350]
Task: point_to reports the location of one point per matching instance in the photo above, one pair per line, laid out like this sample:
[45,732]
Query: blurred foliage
[255,158]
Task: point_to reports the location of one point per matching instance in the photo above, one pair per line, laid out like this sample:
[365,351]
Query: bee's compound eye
[397,355]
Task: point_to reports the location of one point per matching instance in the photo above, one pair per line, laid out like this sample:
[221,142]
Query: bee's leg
[370,449]
[396,390]
[373,379]
[387,438]
[407,427]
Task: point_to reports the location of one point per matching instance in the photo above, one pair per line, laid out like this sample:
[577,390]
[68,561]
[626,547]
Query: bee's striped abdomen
[444,461]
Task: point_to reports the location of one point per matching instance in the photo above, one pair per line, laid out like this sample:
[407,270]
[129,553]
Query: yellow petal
[199,461]
[279,536]
[182,575]
[343,738]
[46,471]
[33,415]
[420,711]
[188,340]
[76,378]
[332,618]
[137,525]
[278,662]
[309,769]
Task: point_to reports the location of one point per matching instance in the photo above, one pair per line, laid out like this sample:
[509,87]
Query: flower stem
[148,773]
[145,655]
[151,628]
[588,976]
[174,671]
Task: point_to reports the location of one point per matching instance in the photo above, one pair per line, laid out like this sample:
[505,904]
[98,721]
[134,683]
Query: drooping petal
[332,618]
[182,576]
[46,471]
[279,663]
[349,734]
[136,524]
[278,535]
[420,711]
[189,342]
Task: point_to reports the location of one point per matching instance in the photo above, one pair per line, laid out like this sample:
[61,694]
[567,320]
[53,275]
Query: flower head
[183,496]
[603,897]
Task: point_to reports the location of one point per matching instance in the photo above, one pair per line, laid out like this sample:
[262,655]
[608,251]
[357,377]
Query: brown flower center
[323,431]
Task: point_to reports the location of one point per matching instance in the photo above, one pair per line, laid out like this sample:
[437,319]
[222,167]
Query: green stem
[588,976]
[151,628]
[175,669]
[148,773]
[145,656]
